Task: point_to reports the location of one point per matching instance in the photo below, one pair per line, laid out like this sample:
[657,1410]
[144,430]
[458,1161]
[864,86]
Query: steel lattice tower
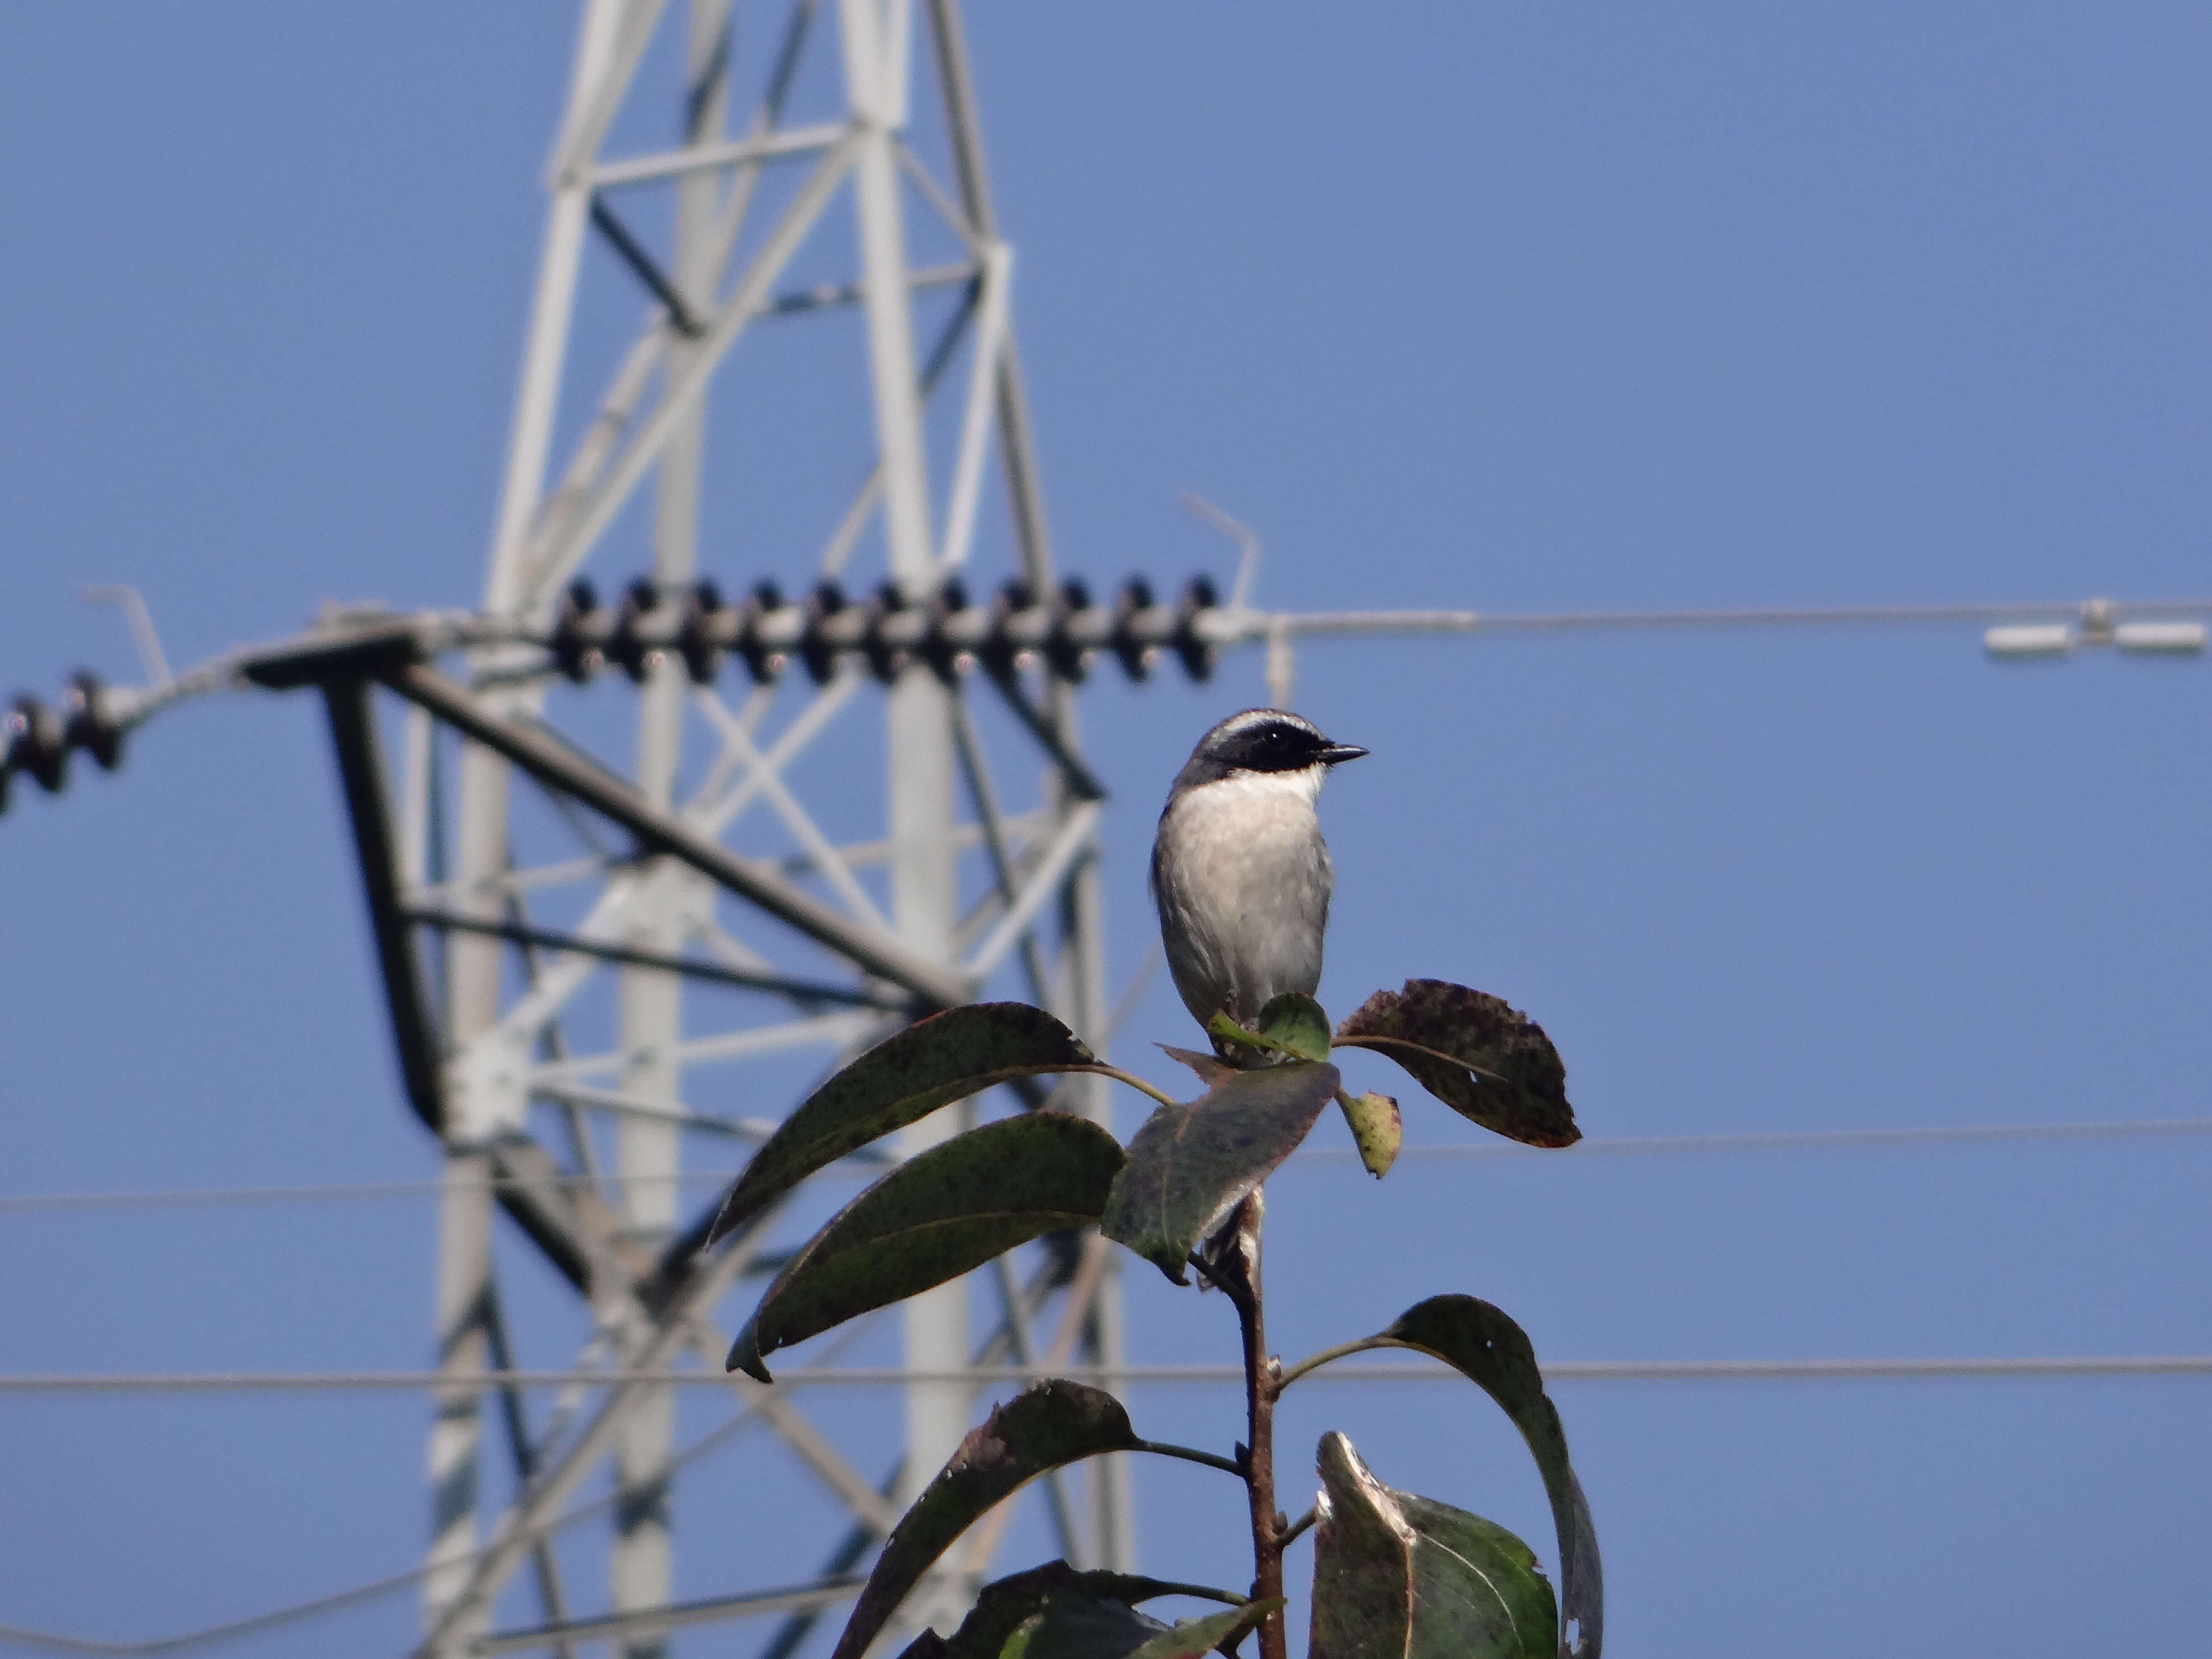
[837,961]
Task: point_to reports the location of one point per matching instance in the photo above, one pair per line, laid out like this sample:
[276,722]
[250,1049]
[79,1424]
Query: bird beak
[1337,753]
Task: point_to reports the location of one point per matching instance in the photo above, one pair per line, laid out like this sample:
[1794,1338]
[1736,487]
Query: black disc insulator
[1197,654]
[815,649]
[764,664]
[87,725]
[884,658]
[1063,654]
[575,651]
[1133,654]
[625,647]
[35,744]
[939,652]
[998,652]
[702,657]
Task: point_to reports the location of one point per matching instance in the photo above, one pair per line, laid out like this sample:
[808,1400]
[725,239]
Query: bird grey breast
[1240,871]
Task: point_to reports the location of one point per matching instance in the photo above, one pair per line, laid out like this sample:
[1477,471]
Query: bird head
[1260,742]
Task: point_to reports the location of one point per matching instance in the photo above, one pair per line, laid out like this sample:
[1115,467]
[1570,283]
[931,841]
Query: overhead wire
[1733,1141]
[1989,1367]
[335,1601]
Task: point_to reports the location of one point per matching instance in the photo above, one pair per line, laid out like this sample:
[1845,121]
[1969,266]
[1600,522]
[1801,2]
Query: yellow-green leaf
[1376,1129]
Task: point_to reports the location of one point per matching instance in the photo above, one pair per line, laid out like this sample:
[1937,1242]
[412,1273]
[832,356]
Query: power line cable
[275,1619]
[1752,1141]
[1590,1370]
[333,1602]
[1797,1139]
[1597,1370]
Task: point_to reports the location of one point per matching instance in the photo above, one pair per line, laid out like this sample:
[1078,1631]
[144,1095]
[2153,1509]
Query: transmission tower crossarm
[353,736]
[745,979]
[555,764]
[1230,626]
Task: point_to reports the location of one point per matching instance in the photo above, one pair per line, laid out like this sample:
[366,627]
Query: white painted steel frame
[503,1031]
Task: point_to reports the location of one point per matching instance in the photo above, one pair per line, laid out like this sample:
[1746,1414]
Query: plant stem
[1120,1076]
[1291,1532]
[1342,1350]
[1192,1454]
[1261,1387]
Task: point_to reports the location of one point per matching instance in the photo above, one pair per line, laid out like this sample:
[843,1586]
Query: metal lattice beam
[848,939]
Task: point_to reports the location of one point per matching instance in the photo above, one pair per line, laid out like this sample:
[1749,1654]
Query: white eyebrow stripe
[1252,717]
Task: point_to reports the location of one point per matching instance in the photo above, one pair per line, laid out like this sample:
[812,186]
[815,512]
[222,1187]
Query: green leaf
[1376,1129]
[1363,1594]
[1484,1346]
[1070,1628]
[1082,1614]
[1195,1637]
[1296,1024]
[1485,1059]
[1465,1560]
[1397,1576]
[906,1077]
[1046,1426]
[933,1219]
[1290,1024]
[1191,1164]
[1230,1031]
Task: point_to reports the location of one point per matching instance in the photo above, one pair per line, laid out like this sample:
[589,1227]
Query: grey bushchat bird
[1240,872]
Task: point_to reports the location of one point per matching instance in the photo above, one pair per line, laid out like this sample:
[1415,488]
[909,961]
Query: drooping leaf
[1376,1129]
[1093,1608]
[1401,1577]
[933,1219]
[1483,1344]
[1046,1426]
[1210,1069]
[1191,1164]
[905,1077]
[1485,1059]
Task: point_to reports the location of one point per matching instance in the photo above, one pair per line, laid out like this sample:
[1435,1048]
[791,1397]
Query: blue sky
[1512,308]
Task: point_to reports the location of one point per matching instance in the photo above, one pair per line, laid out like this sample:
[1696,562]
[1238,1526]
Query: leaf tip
[745,1356]
[739,1207]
